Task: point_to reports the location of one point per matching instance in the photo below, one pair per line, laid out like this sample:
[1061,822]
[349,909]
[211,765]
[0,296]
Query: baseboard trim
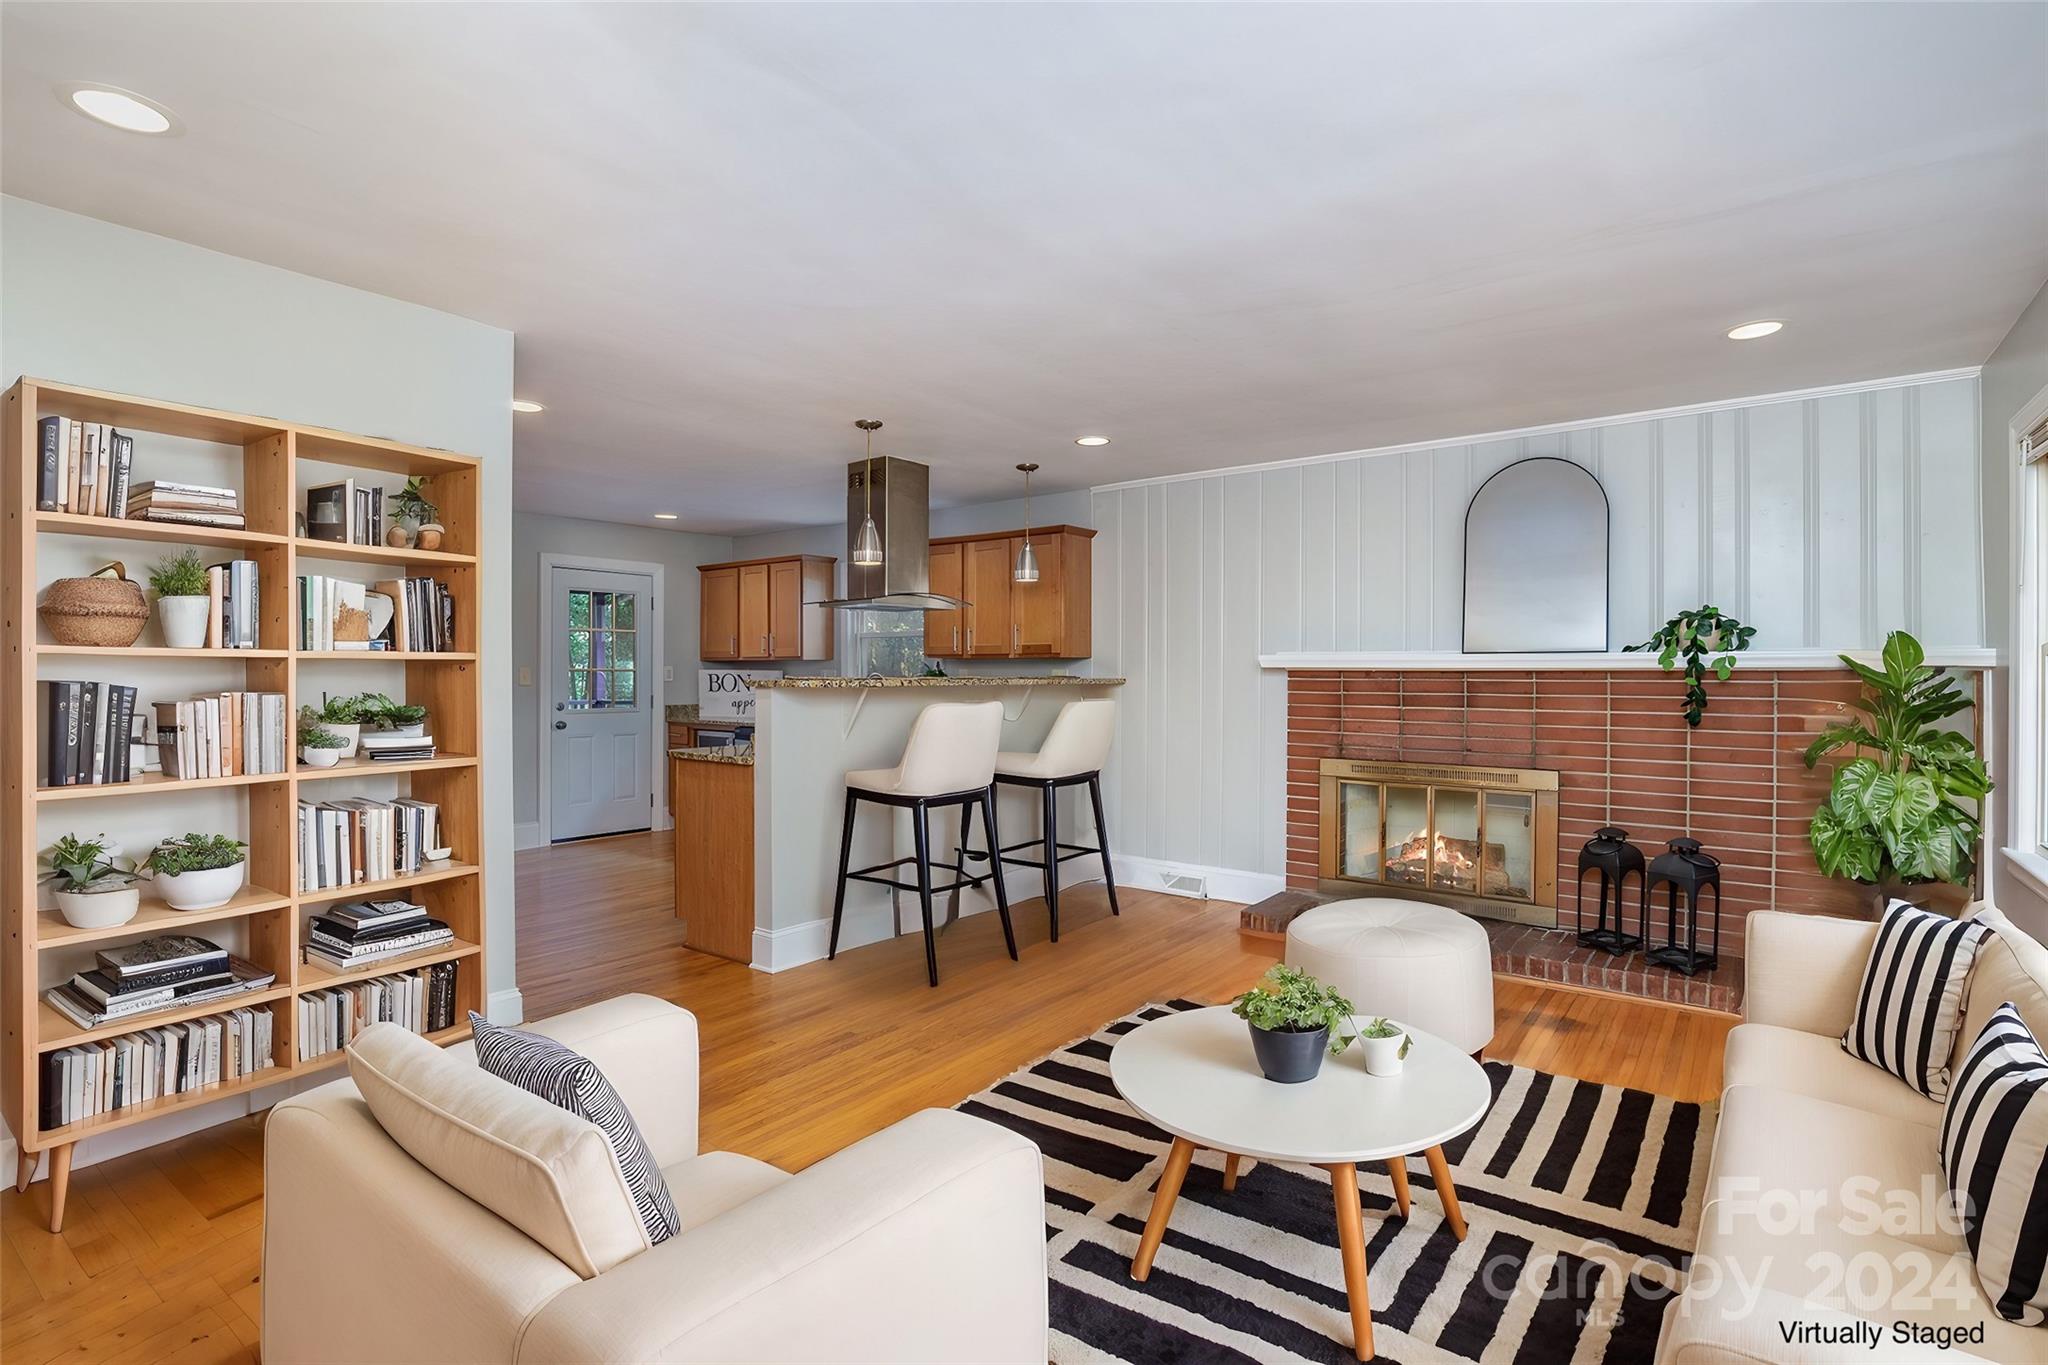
[505,1007]
[527,836]
[793,945]
[1219,883]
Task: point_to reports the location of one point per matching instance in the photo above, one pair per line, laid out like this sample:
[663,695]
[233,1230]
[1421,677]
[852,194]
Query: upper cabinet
[755,611]
[1005,619]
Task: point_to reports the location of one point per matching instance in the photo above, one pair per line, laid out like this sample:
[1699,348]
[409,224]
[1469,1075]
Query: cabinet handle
[956,638]
[970,639]
[1016,637]
[771,646]
[734,647]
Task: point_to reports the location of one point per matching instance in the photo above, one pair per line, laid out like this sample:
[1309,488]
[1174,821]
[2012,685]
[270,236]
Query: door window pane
[579,609]
[601,643]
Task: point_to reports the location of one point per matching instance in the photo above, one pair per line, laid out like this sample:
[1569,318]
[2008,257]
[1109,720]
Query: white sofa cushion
[542,1169]
[708,1185]
[1808,1064]
[2010,966]
[1994,1149]
[1910,1002]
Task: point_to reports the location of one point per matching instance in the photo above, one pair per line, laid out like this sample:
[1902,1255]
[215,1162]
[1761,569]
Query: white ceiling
[1219,234]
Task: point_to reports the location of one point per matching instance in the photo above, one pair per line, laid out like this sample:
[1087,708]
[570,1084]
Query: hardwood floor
[159,1256]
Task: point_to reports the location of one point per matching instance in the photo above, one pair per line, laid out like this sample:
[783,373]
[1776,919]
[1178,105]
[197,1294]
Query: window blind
[2034,445]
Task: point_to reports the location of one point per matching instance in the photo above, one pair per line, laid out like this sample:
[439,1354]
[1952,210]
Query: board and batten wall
[1823,519]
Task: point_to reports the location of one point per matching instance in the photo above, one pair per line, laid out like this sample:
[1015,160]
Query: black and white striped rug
[1581,1203]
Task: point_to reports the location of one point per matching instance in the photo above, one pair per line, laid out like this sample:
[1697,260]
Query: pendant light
[1027,558]
[867,546]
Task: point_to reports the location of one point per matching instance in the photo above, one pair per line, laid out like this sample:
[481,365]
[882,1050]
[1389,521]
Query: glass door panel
[1509,867]
[1408,836]
[1454,852]
[1361,832]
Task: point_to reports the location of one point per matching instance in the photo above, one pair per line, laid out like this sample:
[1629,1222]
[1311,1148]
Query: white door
[602,727]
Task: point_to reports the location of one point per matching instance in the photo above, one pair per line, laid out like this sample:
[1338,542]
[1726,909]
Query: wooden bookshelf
[271,911]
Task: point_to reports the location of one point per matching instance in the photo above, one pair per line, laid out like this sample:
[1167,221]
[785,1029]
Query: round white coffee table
[1193,1074]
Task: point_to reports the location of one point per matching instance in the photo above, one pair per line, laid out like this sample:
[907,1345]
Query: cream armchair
[923,1242]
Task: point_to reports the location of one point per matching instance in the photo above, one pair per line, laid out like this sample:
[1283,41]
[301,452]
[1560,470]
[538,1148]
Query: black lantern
[1610,854]
[1684,871]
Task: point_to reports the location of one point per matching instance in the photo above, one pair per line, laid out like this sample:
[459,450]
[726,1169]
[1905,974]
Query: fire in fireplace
[1484,839]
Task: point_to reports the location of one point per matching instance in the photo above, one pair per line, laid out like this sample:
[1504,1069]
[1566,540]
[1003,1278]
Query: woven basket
[101,610]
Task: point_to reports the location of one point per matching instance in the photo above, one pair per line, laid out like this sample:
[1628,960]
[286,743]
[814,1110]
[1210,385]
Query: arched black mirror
[1536,561]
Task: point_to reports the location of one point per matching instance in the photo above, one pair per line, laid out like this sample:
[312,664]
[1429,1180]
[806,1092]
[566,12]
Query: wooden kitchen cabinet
[756,610]
[1004,619]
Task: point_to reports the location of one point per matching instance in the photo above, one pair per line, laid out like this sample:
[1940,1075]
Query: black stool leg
[1102,840]
[845,861]
[1052,859]
[988,820]
[920,818]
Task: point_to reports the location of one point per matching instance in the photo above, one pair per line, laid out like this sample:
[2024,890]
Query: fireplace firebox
[1481,839]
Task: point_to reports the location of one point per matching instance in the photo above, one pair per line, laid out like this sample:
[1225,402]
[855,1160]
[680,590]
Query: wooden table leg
[1162,1205]
[60,1184]
[1351,1241]
[25,1171]
[1397,1167]
[1440,1171]
[1230,1161]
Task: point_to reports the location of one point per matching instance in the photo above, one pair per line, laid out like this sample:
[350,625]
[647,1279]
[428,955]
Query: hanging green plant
[1703,638]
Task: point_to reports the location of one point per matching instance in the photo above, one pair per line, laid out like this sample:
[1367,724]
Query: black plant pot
[1289,1057]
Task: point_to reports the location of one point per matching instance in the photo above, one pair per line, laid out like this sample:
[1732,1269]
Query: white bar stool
[949,760]
[1073,755]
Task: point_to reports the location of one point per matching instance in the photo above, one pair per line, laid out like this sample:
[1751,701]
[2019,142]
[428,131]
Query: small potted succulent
[92,891]
[411,505]
[343,716]
[182,599]
[319,747]
[398,718]
[1294,1020]
[198,871]
[1386,1046]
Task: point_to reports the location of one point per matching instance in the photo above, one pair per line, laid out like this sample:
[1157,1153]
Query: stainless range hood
[899,503]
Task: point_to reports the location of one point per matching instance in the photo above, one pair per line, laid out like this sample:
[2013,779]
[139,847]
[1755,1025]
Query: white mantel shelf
[1417,660]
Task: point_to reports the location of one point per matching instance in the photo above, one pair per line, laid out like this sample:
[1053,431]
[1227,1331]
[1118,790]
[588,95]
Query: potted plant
[182,599]
[1693,636]
[1294,1020]
[92,891]
[319,747]
[198,871]
[411,505]
[1894,816]
[398,718]
[343,716]
[1386,1047]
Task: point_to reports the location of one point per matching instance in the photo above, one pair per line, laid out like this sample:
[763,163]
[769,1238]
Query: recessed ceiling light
[118,108]
[1091,440]
[1750,331]
[664,516]
[527,405]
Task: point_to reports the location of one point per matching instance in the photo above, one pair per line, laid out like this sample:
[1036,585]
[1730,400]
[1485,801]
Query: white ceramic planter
[183,620]
[99,909]
[352,733]
[1383,1055]
[201,890]
[320,758]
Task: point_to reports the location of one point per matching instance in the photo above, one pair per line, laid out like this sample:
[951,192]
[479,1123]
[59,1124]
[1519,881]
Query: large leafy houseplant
[1895,812]
[1695,637]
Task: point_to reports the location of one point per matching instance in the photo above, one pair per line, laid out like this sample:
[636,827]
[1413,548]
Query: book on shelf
[235,605]
[241,976]
[361,839]
[82,467]
[423,616]
[333,614]
[84,722]
[345,514]
[100,1077]
[162,953]
[233,734]
[189,504]
[388,748]
[345,948]
[421,1001]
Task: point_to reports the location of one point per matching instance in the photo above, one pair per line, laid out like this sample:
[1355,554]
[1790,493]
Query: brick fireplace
[1622,753]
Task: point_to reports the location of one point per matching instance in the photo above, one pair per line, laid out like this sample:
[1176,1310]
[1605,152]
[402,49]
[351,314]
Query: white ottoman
[1413,962]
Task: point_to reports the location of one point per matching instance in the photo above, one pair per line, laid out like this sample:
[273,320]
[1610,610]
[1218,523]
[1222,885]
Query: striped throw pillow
[1911,1001]
[1994,1150]
[571,1081]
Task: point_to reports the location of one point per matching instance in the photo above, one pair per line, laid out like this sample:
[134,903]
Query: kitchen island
[809,733]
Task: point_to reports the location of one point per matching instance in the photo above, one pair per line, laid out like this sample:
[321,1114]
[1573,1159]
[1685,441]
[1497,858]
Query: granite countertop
[740,756]
[682,713]
[851,684]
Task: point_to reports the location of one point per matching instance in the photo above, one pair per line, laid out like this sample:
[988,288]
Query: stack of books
[186,504]
[343,512]
[236,605]
[421,1001]
[82,467]
[359,933]
[84,730]
[334,614]
[231,735]
[424,619]
[360,839]
[98,1078]
[170,971]
[380,747]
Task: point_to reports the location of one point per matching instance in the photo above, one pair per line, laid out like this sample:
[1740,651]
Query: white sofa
[923,1242]
[1824,1192]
